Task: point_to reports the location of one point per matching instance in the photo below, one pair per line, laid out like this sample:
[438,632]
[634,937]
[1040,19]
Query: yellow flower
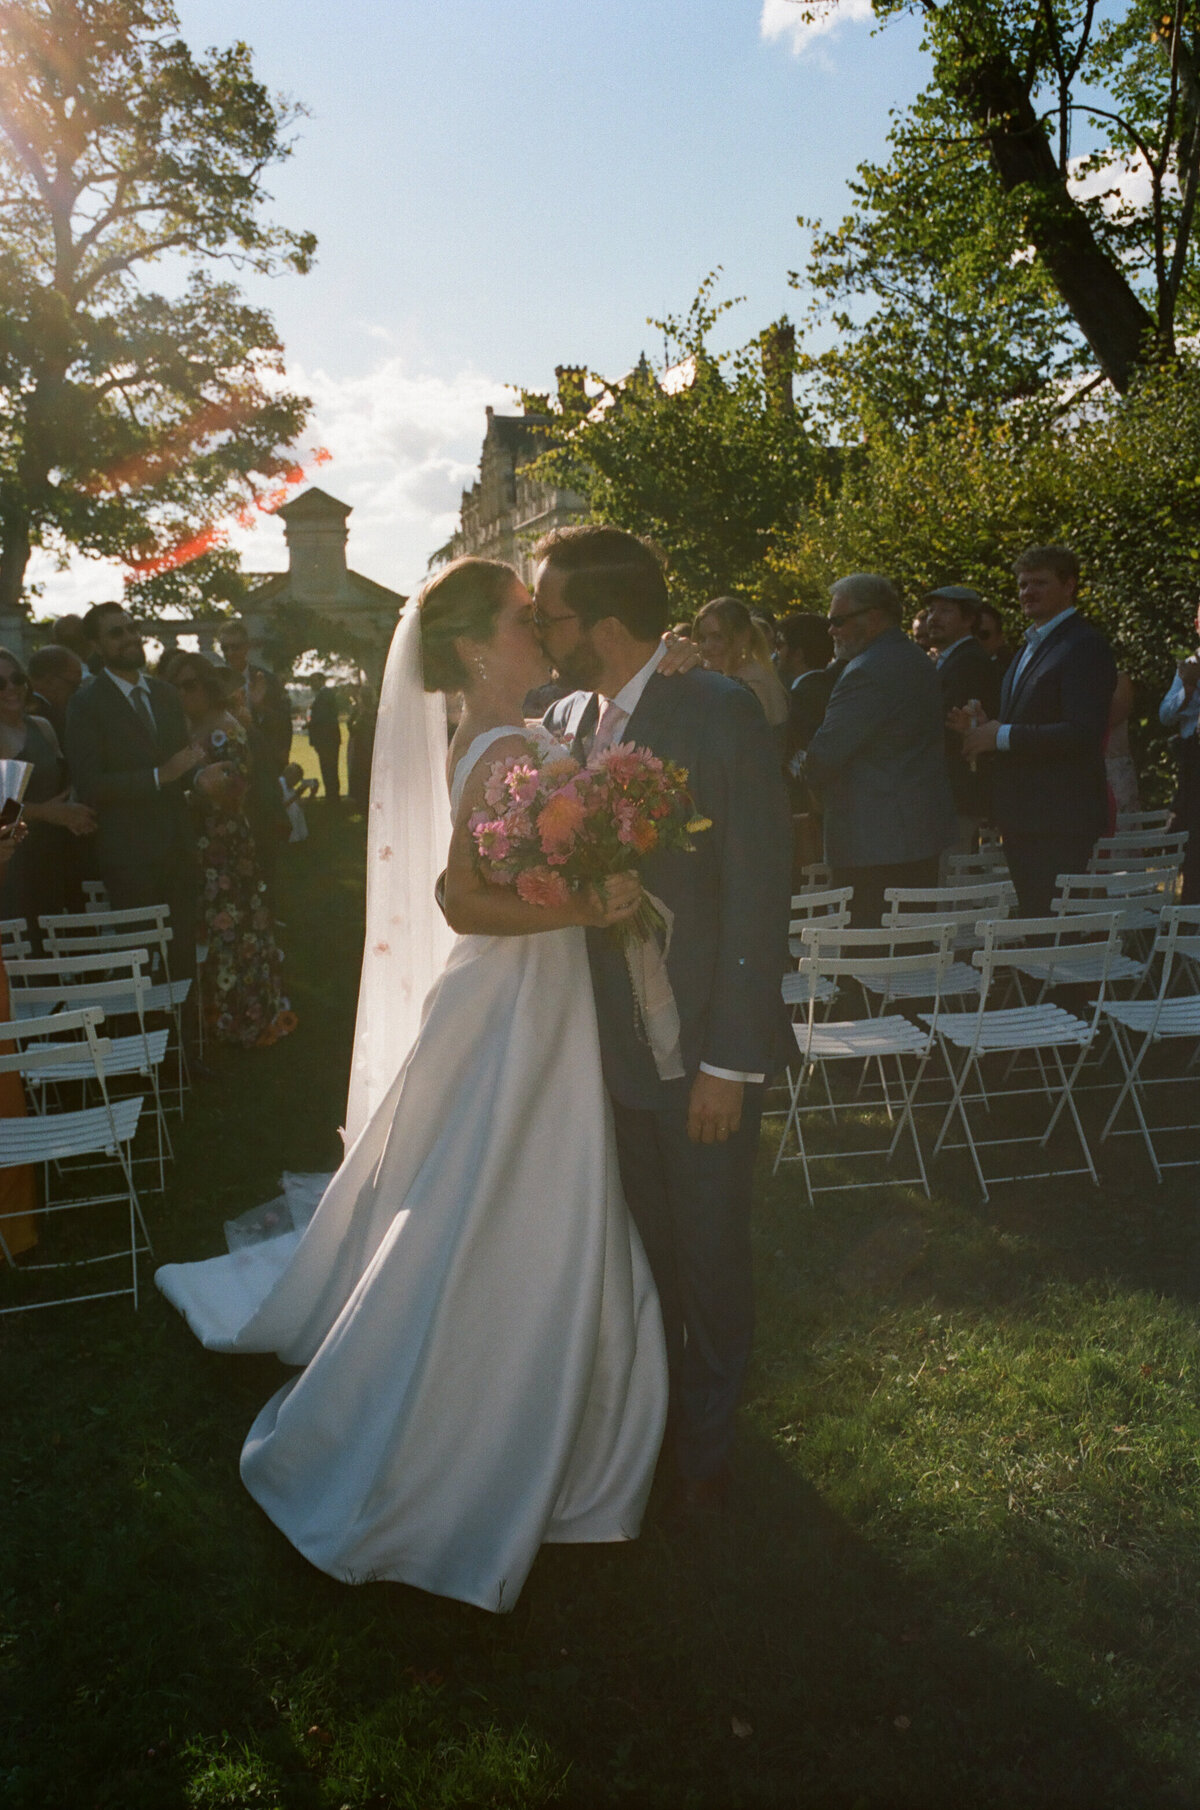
[697,824]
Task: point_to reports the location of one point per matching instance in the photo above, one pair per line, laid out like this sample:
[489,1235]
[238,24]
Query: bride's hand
[611,901]
[679,655]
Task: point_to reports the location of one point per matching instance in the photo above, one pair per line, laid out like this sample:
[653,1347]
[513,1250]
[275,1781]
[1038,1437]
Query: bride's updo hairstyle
[462,601]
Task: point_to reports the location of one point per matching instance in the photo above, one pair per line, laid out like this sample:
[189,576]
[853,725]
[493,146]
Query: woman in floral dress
[241,981]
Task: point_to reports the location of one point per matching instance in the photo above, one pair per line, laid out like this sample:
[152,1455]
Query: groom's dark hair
[607,572]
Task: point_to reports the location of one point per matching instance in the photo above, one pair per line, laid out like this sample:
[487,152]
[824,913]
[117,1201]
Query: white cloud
[800,22]
[403,444]
[1124,183]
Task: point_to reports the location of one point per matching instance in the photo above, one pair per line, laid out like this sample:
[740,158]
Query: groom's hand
[714,1109]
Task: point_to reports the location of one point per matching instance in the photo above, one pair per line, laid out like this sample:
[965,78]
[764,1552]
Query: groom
[686,1147]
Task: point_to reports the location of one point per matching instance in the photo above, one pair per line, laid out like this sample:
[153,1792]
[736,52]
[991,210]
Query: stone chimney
[572,389]
[314,525]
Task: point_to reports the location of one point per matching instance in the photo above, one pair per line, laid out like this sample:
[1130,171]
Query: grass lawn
[962,1568]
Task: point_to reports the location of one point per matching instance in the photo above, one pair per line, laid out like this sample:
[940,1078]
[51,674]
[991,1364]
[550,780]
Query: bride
[483,1355]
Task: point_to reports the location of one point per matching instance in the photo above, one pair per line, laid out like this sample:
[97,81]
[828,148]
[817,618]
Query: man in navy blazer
[687,1146]
[878,760]
[1049,794]
[130,756]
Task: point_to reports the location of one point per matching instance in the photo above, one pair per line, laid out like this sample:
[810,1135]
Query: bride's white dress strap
[479,747]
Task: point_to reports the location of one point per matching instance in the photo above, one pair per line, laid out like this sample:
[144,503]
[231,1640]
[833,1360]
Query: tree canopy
[127,413]
[711,458]
[1038,208]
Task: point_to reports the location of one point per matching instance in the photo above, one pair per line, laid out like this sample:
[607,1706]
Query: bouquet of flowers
[551,830]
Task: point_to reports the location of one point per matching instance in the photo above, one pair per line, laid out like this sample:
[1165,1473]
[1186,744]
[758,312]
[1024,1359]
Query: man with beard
[686,1140]
[131,759]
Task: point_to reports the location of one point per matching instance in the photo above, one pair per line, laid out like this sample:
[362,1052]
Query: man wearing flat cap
[967,676]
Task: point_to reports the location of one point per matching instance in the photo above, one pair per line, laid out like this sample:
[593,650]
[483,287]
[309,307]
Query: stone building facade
[507,510]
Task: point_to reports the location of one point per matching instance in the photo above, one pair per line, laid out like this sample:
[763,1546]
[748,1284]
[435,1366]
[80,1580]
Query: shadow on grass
[162,1645]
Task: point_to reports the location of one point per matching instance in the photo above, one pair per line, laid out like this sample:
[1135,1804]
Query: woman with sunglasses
[36,879]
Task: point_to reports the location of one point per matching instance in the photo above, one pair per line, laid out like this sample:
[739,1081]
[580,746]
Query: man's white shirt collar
[630,694]
[1036,633]
[128,686]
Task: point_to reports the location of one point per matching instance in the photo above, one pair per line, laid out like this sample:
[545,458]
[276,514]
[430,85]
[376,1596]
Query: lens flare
[217,534]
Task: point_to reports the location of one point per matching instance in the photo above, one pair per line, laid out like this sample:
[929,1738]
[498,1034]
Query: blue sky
[498,189]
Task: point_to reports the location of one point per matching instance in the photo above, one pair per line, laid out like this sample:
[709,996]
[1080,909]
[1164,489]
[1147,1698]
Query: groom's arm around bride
[687,1146]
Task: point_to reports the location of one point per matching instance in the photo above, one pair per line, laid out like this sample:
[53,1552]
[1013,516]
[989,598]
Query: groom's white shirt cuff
[628,699]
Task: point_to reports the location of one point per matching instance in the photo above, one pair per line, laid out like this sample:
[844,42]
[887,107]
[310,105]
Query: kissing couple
[535,1257]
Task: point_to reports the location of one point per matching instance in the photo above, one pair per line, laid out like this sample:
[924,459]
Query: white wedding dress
[483,1351]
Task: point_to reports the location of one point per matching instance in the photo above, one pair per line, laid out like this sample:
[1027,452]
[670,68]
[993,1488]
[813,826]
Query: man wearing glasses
[878,759]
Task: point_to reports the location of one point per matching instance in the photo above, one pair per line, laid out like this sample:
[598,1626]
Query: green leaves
[712,462]
[126,413]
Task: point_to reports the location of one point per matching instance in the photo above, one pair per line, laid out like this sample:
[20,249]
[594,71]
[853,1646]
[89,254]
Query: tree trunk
[14,558]
[1120,331]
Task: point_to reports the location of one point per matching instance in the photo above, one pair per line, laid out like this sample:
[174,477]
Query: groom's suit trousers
[691,1205]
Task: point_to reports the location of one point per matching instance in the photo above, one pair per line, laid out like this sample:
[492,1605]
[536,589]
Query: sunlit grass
[962,1567]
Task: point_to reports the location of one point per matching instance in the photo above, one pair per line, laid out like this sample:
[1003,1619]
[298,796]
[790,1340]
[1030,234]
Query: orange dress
[17,1186]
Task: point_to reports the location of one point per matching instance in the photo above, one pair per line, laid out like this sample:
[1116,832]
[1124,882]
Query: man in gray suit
[878,760]
[686,1145]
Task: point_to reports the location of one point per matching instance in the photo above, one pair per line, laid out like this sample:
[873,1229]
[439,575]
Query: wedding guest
[360,745]
[1180,710]
[1119,769]
[878,759]
[132,762]
[293,788]
[268,701]
[18,1184]
[325,735]
[730,641]
[241,983]
[989,632]
[805,656]
[768,622]
[72,632]
[55,674]
[920,631]
[37,876]
[805,653]
[1050,800]
[264,806]
[968,677]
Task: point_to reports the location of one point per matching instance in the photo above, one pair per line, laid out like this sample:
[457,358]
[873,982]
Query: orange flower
[560,821]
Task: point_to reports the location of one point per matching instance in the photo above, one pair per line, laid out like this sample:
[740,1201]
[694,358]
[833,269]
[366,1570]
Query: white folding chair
[1139,1024]
[816,877]
[836,954]
[54,1138]
[1136,899]
[117,983]
[960,909]
[145,927]
[974,870]
[1043,1029]
[831,907]
[1133,821]
[95,895]
[14,938]
[1129,849]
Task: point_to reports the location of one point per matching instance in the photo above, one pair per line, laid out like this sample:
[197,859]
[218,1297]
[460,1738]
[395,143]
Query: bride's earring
[480,667]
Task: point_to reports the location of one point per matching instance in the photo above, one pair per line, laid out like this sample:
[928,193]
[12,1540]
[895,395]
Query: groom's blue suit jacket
[730,896]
